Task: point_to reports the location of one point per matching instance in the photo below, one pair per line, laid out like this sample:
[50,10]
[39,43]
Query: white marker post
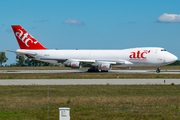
[64,113]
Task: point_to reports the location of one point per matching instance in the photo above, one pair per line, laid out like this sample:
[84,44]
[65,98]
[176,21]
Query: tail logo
[24,37]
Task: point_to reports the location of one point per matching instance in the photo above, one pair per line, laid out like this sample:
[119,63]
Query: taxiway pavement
[88,81]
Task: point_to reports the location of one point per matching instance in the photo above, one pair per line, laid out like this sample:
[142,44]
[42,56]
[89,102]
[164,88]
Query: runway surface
[88,81]
[85,71]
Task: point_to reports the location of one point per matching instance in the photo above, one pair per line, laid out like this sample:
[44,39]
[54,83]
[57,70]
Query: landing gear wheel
[104,70]
[158,70]
[93,70]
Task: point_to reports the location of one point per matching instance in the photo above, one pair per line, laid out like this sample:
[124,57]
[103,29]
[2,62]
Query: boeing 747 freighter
[103,60]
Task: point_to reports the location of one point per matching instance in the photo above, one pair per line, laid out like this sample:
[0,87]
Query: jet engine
[105,67]
[75,65]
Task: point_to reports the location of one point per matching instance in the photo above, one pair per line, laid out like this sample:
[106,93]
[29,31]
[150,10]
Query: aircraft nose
[174,58]
[171,58]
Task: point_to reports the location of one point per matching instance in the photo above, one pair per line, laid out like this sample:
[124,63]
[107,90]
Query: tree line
[24,61]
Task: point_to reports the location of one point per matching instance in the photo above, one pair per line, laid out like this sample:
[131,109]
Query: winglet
[25,40]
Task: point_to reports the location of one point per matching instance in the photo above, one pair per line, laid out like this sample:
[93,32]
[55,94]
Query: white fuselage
[147,56]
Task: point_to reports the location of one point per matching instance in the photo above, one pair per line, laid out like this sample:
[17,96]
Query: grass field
[84,75]
[87,76]
[91,102]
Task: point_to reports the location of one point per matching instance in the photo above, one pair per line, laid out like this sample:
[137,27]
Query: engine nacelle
[75,65]
[105,67]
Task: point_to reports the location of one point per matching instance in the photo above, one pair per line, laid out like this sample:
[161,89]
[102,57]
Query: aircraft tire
[97,70]
[93,70]
[89,70]
[104,70]
[158,70]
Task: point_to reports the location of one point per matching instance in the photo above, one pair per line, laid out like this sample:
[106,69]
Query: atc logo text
[138,55]
[25,37]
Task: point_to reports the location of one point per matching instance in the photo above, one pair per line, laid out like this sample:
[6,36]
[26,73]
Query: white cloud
[169,18]
[73,22]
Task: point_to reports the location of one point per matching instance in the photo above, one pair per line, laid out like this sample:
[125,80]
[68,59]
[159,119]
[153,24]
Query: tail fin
[25,40]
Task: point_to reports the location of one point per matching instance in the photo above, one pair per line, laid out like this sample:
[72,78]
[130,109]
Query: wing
[96,63]
[77,63]
[88,63]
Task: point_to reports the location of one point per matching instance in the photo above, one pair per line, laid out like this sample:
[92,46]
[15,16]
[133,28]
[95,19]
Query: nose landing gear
[158,69]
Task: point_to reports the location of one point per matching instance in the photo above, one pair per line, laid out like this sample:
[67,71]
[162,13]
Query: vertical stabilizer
[25,40]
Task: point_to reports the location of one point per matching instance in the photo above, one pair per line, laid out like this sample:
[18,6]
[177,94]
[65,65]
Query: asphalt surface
[88,81]
[85,71]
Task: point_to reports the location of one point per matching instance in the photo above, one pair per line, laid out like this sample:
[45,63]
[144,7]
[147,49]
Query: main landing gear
[96,70]
[93,70]
[158,69]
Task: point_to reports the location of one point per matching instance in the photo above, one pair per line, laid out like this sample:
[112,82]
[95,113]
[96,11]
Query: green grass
[91,102]
[87,75]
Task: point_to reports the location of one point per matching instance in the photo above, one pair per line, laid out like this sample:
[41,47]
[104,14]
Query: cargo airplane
[103,60]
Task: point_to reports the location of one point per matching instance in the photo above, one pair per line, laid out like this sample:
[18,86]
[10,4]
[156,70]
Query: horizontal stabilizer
[22,53]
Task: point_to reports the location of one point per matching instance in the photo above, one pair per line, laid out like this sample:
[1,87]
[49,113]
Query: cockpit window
[163,49]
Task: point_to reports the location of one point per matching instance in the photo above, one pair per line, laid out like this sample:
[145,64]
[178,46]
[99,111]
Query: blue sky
[92,24]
